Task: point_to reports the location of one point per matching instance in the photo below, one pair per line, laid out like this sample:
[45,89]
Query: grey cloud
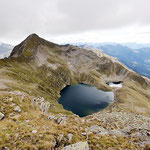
[18,18]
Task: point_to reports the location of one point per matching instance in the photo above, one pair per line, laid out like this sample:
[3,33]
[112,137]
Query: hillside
[136,59]
[30,83]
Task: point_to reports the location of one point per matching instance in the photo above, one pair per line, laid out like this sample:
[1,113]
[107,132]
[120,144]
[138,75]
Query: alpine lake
[83,99]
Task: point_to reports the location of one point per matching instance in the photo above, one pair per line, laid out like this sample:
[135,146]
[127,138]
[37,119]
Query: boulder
[77,146]
[50,117]
[70,136]
[60,120]
[1,116]
[117,132]
[17,109]
[94,129]
[34,131]
[12,104]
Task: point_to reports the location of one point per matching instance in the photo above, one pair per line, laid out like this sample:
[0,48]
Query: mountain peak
[30,45]
[32,37]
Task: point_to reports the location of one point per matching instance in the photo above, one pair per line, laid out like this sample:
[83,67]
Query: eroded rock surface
[77,146]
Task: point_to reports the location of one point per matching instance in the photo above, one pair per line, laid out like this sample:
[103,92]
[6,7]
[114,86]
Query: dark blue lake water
[84,99]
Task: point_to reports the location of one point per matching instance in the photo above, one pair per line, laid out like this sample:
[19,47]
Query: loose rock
[94,129]
[77,146]
[60,120]
[1,116]
[50,117]
[34,131]
[17,109]
[70,136]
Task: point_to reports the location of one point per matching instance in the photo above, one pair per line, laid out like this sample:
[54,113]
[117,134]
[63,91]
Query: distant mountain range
[5,50]
[131,45]
[138,59]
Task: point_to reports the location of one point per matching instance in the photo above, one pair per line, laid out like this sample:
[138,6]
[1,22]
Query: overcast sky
[75,20]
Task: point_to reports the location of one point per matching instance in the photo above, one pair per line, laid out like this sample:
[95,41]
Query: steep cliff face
[39,70]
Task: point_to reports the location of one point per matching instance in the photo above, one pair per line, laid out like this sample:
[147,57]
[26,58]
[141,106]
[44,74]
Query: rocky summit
[31,79]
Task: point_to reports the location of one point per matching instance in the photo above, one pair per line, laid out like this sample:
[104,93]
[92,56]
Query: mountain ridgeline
[41,67]
[137,59]
[31,79]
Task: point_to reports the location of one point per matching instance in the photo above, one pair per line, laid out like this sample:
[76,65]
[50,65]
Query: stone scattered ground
[26,123]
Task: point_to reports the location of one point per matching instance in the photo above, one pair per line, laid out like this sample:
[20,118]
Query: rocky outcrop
[77,146]
[1,116]
[121,129]
[122,124]
[70,136]
[17,109]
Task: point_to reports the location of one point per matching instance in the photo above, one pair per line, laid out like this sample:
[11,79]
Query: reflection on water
[84,99]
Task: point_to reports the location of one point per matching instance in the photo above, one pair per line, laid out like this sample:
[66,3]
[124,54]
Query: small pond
[84,99]
[117,84]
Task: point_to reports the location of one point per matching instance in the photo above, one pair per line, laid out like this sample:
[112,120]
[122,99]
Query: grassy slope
[16,129]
